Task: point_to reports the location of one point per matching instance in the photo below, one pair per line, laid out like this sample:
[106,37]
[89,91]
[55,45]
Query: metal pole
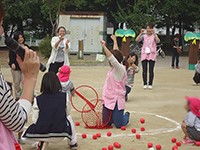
[80,49]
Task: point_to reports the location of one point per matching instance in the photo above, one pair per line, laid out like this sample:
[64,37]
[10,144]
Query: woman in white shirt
[59,54]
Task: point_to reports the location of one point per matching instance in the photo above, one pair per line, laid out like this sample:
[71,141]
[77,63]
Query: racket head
[89,93]
[94,119]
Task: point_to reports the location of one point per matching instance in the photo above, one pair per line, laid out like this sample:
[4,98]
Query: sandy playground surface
[161,107]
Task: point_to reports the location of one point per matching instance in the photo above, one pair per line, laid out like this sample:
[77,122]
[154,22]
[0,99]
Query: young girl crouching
[191,124]
[52,124]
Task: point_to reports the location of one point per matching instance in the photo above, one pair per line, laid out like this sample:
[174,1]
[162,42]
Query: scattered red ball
[142,128]
[123,128]
[98,135]
[110,147]
[117,145]
[84,136]
[138,136]
[197,143]
[133,130]
[142,121]
[178,144]
[175,147]
[158,147]
[77,123]
[173,140]
[94,137]
[150,145]
[109,133]
[104,148]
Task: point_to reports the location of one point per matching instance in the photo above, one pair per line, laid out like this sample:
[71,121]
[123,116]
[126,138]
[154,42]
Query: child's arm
[136,68]
[72,89]
[115,44]
[138,38]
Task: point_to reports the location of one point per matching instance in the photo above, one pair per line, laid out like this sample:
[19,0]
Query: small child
[191,124]
[52,123]
[68,88]
[132,68]
[196,77]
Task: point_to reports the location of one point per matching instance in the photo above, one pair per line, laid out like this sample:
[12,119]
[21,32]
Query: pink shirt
[114,90]
[7,139]
[149,43]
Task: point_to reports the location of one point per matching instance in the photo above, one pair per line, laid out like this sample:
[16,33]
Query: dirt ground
[161,107]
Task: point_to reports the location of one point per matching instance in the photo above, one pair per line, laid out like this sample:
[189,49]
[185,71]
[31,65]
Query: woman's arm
[115,44]
[138,38]
[14,114]
[106,50]
[55,42]
[156,38]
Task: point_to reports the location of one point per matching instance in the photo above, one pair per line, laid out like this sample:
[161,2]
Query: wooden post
[126,47]
[80,49]
[193,55]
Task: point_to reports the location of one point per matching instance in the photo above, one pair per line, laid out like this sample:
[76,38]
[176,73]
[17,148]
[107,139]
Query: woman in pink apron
[148,53]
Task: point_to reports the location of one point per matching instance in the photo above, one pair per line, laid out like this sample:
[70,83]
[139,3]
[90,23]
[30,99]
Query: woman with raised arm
[148,53]
[114,88]
[14,115]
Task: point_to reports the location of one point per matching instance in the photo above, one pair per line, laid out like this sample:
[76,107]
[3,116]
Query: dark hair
[136,58]
[50,84]
[125,62]
[177,35]
[150,25]
[1,11]
[118,55]
[17,34]
[61,27]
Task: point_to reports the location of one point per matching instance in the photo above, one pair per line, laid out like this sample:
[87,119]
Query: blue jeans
[117,117]
[128,90]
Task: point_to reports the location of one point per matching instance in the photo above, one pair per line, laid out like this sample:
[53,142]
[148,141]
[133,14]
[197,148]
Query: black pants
[196,78]
[55,66]
[151,71]
[175,57]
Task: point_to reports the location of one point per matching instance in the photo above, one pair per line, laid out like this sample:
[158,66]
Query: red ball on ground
[104,148]
[84,136]
[178,144]
[109,133]
[175,147]
[98,135]
[173,140]
[117,145]
[142,121]
[110,147]
[158,147]
[150,145]
[94,137]
[123,128]
[133,130]
[197,143]
[77,123]
[142,128]
[138,136]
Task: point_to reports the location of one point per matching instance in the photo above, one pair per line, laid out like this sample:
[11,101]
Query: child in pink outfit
[114,88]
[191,124]
[148,54]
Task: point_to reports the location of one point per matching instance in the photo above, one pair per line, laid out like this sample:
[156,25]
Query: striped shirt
[13,114]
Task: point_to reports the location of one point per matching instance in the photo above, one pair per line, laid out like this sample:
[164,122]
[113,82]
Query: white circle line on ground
[149,132]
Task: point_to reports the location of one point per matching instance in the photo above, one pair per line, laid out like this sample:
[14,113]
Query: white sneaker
[145,87]
[150,87]
[195,84]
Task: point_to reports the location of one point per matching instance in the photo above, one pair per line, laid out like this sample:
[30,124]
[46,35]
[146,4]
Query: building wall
[89,28]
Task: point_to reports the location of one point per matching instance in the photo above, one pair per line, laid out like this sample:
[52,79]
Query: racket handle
[81,96]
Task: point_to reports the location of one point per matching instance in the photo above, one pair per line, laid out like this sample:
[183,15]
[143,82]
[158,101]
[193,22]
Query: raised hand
[142,31]
[103,43]
[113,37]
